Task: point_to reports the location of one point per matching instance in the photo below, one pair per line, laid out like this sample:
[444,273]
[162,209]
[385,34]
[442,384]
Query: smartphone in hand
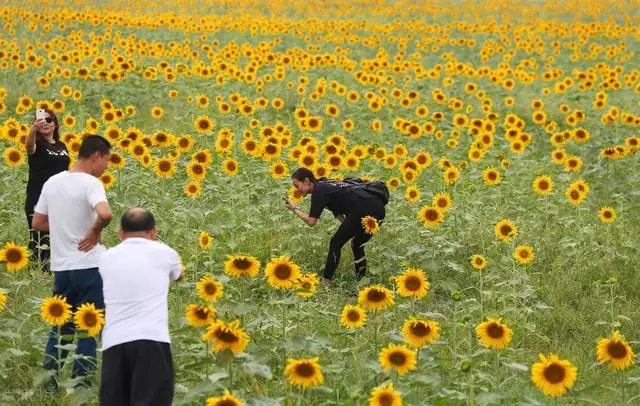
[41,114]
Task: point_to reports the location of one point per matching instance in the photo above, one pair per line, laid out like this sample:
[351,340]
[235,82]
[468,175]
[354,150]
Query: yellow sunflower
[494,334]
[55,310]
[227,336]
[451,175]
[3,300]
[413,283]
[108,180]
[574,195]
[542,185]
[478,262]
[196,170]
[88,318]
[553,376]
[209,289]
[13,157]
[370,224]
[278,170]
[399,358]
[225,400]
[199,315]
[230,166]
[205,240]
[420,332]
[616,351]
[607,215]
[306,285]
[203,156]
[14,256]
[505,230]
[412,194]
[304,373]
[193,189]
[281,273]
[375,298]
[430,216]
[524,254]
[240,265]
[353,316]
[442,202]
[385,396]
[164,167]
[491,176]
[203,125]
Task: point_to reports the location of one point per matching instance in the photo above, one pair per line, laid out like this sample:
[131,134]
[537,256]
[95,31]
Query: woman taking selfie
[350,201]
[47,157]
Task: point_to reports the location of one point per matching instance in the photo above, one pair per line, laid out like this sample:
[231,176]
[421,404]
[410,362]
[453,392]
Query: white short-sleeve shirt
[69,200]
[135,282]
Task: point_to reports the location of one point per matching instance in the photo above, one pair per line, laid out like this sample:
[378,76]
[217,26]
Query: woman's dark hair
[303,173]
[56,131]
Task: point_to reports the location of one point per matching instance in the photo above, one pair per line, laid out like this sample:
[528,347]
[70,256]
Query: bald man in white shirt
[137,368]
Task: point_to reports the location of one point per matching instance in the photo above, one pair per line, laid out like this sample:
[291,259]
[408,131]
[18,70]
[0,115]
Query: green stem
[231,374]
[497,370]
[375,333]
[624,384]
[284,336]
[481,294]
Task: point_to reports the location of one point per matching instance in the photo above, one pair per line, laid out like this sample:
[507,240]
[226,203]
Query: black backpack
[376,188]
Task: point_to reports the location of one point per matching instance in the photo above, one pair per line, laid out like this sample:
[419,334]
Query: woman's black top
[341,197]
[48,160]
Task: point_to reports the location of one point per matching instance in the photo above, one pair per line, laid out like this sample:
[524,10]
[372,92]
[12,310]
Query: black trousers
[137,373]
[38,238]
[352,229]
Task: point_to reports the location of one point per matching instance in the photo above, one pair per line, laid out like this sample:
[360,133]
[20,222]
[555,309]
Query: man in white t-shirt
[137,368]
[73,208]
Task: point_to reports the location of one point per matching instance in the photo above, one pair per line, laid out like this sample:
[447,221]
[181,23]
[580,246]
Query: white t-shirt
[69,199]
[135,282]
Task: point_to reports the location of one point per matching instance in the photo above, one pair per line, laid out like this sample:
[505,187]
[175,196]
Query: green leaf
[489,398]
[257,369]
[518,367]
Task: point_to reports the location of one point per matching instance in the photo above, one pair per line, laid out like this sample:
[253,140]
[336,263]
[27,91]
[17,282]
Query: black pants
[352,229]
[137,373]
[38,238]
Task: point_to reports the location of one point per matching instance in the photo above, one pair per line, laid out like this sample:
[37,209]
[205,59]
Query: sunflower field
[505,272]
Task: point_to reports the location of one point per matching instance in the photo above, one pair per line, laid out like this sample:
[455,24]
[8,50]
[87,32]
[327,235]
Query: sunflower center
[210,288]
[201,314]
[412,283]
[282,271]
[385,399]
[203,124]
[575,194]
[479,261]
[164,166]
[616,350]
[544,185]
[353,316]
[492,176]
[197,169]
[90,319]
[607,214]
[375,295]
[241,263]
[505,229]
[420,329]
[524,254]
[226,336]
[56,309]
[398,358]
[305,370]
[495,330]
[554,373]
[431,215]
[13,255]
[14,156]
[231,166]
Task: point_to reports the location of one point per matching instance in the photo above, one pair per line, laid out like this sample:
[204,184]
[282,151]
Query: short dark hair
[137,220]
[92,144]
